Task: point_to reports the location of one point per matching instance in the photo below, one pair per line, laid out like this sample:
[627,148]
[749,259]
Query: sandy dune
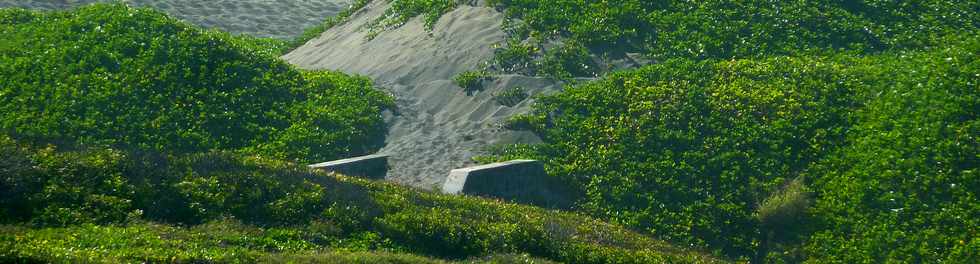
[438,126]
[282,19]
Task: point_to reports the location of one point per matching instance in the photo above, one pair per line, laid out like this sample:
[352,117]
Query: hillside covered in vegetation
[135,78]
[692,132]
[129,136]
[881,150]
[773,131]
[108,205]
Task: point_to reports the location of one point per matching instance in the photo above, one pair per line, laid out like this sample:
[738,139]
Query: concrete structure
[522,181]
[373,167]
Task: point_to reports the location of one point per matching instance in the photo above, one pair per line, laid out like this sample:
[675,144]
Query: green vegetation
[567,61]
[687,150]
[724,29]
[511,97]
[777,132]
[784,208]
[221,241]
[240,208]
[782,217]
[516,57]
[128,136]
[905,186]
[561,62]
[135,78]
[472,80]
[872,103]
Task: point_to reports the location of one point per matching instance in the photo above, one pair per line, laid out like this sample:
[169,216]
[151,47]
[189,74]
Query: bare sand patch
[283,19]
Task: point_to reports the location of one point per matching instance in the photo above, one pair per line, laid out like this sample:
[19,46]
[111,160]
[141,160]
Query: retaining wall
[373,167]
[522,181]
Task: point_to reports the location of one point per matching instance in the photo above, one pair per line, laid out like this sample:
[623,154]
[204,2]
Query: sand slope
[460,41]
[284,19]
[438,126]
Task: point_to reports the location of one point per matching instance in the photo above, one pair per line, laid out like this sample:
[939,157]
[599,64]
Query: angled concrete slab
[373,167]
[522,181]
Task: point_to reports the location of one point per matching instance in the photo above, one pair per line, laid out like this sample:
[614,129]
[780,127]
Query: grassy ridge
[225,241]
[557,38]
[688,150]
[277,207]
[723,29]
[575,38]
[115,75]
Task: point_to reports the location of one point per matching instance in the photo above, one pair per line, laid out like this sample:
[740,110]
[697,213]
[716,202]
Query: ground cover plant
[137,206]
[472,80]
[723,29]
[128,136]
[697,152]
[511,97]
[776,132]
[114,75]
[544,33]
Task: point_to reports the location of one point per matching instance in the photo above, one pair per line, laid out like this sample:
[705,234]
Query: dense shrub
[511,96]
[223,241]
[516,57]
[567,61]
[110,186]
[782,219]
[726,29]
[785,208]
[338,116]
[716,29]
[471,80]
[686,150]
[905,187]
[114,75]
[296,209]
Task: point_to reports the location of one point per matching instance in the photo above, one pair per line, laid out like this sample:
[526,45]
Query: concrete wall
[522,181]
[373,167]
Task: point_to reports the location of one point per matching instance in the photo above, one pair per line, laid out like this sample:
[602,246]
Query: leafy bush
[782,218]
[567,61]
[511,97]
[724,29]
[905,187]
[684,149]
[471,80]
[516,57]
[785,207]
[223,241]
[135,78]
[297,210]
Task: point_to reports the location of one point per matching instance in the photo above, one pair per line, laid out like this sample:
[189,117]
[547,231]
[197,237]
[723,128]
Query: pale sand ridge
[437,126]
